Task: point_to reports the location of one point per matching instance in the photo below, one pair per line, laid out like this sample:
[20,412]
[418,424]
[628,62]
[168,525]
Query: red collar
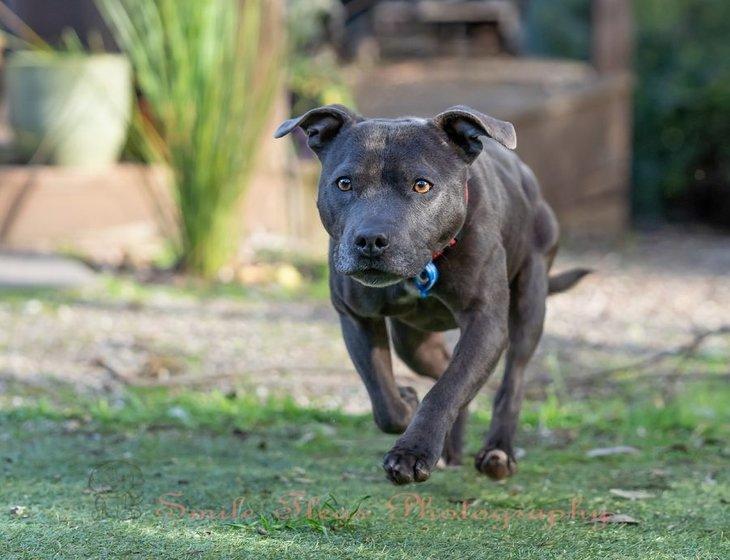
[437,254]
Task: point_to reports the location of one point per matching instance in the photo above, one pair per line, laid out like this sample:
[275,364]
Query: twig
[113,373]
[685,351]
[197,379]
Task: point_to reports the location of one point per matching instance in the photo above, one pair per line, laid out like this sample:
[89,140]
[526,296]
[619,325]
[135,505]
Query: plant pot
[69,109]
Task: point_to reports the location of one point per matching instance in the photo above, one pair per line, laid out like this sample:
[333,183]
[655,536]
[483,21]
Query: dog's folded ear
[321,124]
[464,126]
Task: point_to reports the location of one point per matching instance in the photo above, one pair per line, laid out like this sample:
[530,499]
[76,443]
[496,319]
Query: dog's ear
[321,124]
[464,126]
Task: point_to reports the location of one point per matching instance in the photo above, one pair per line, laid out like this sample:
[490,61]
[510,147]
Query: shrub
[682,111]
[682,101]
[208,72]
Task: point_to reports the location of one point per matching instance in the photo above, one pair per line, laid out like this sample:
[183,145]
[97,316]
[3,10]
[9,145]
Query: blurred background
[137,164]
[163,278]
[621,109]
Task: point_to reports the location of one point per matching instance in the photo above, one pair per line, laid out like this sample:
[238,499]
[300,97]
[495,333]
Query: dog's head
[393,191]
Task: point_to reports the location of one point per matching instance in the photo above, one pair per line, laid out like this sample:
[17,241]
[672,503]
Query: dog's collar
[426,280]
[428,277]
[438,254]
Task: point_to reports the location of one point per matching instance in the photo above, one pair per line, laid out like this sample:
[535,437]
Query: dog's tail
[566,280]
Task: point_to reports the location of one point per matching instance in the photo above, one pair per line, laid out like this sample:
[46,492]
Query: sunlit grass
[120,288]
[273,456]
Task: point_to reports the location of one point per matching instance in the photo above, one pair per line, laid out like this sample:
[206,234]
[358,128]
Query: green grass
[125,290]
[309,484]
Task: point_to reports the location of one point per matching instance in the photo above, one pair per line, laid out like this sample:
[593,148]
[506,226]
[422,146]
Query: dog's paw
[409,395]
[403,466]
[495,463]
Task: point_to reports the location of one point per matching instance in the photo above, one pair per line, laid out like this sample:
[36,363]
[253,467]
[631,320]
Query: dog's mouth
[377,272]
[375,278]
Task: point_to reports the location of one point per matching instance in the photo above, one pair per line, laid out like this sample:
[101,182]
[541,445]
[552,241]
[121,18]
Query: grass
[125,290]
[307,483]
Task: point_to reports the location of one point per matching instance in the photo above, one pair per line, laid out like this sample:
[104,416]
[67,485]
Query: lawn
[233,476]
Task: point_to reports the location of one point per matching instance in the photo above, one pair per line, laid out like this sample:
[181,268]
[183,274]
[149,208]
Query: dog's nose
[371,244]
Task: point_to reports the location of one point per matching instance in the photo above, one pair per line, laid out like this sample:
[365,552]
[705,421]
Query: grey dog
[434,224]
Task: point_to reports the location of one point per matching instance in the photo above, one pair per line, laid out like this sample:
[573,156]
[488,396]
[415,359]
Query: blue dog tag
[426,279]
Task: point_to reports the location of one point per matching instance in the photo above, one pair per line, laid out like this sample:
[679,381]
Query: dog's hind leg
[425,353]
[527,313]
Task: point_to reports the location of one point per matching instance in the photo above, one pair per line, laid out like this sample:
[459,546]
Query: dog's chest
[402,302]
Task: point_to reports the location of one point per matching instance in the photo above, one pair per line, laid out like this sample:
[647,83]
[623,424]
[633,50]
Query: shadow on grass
[202,453]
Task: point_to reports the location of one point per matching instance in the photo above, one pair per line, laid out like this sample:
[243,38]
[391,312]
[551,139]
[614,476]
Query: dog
[434,224]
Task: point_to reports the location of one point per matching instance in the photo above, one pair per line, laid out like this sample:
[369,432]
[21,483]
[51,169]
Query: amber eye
[344,183]
[422,186]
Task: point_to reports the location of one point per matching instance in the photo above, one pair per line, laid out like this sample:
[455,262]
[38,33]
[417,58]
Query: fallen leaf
[178,413]
[71,426]
[614,518]
[241,434]
[161,367]
[631,494]
[19,511]
[302,480]
[102,489]
[605,451]
[516,489]
[306,438]
[710,479]
[349,475]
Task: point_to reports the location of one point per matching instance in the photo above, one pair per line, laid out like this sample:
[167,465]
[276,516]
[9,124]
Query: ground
[208,396]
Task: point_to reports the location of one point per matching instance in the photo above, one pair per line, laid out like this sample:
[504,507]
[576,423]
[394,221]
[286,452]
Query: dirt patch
[649,294]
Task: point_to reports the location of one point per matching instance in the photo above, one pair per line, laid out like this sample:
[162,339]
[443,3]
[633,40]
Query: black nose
[371,244]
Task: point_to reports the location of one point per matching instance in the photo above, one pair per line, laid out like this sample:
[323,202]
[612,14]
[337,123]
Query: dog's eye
[421,186]
[344,183]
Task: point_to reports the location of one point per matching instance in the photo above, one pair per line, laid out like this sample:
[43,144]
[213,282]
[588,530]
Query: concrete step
[29,270]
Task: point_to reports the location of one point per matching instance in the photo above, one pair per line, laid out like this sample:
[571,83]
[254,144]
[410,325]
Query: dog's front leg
[367,342]
[484,336]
